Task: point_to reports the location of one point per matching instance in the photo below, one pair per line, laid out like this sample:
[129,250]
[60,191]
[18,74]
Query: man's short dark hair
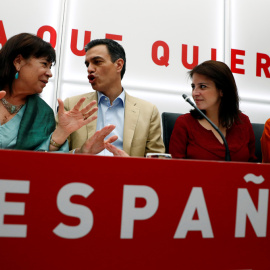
[115,50]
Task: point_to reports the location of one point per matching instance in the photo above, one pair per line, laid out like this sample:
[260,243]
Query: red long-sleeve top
[190,140]
[265,142]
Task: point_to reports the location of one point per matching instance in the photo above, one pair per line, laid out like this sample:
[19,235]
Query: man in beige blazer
[140,120]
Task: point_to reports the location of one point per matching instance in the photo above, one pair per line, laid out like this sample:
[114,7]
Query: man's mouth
[91,78]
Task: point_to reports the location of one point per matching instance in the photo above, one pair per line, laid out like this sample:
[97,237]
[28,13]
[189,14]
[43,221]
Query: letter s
[82,212]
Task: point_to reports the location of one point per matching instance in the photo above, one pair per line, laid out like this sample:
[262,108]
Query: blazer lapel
[91,127]
[131,118]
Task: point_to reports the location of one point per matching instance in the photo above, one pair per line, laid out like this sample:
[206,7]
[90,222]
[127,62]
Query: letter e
[12,208]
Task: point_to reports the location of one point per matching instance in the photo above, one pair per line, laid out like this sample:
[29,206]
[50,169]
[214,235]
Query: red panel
[153,245]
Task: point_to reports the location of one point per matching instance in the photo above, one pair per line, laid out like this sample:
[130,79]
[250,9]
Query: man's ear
[18,62]
[119,63]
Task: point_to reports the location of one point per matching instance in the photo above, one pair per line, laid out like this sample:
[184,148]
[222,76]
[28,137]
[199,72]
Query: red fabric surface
[265,143]
[191,140]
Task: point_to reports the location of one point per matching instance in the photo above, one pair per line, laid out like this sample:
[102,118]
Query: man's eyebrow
[96,57]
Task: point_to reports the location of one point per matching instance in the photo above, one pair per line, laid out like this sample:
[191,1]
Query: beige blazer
[142,131]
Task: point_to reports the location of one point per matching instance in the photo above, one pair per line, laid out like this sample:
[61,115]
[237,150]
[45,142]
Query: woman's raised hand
[2,94]
[70,121]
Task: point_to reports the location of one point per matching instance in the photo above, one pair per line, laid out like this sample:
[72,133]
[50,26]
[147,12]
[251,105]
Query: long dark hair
[24,44]
[223,78]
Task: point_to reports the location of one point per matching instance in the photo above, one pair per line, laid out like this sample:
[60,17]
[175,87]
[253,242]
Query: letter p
[130,213]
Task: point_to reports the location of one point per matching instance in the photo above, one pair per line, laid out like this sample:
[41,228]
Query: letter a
[195,202]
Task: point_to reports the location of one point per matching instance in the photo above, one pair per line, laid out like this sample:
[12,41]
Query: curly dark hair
[27,45]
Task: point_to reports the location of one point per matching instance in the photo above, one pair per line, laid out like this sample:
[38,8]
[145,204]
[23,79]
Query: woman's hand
[2,94]
[70,121]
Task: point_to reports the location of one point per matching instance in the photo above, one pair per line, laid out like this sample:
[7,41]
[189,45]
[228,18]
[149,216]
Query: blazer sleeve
[154,142]
[67,108]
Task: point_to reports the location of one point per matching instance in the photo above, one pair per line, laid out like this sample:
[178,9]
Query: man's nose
[90,68]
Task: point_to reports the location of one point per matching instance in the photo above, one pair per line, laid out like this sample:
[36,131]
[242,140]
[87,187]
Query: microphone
[227,153]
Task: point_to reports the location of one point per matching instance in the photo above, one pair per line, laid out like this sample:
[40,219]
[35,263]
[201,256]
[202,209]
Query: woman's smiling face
[205,94]
[34,74]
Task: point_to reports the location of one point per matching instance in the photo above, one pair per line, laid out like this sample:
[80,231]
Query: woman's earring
[17,75]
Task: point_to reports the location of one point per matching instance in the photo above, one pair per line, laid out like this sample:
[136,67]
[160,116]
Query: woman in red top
[215,93]
[265,143]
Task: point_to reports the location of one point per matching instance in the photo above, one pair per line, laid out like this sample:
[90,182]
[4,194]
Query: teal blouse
[9,131]
[29,128]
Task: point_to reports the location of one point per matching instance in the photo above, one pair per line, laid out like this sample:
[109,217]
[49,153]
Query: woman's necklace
[10,107]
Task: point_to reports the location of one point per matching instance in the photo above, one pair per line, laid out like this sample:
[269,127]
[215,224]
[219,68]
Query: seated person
[265,143]
[26,121]
[137,121]
[215,94]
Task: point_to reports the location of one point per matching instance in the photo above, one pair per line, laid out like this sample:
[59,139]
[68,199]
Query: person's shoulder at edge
[266,130]
[267,123]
